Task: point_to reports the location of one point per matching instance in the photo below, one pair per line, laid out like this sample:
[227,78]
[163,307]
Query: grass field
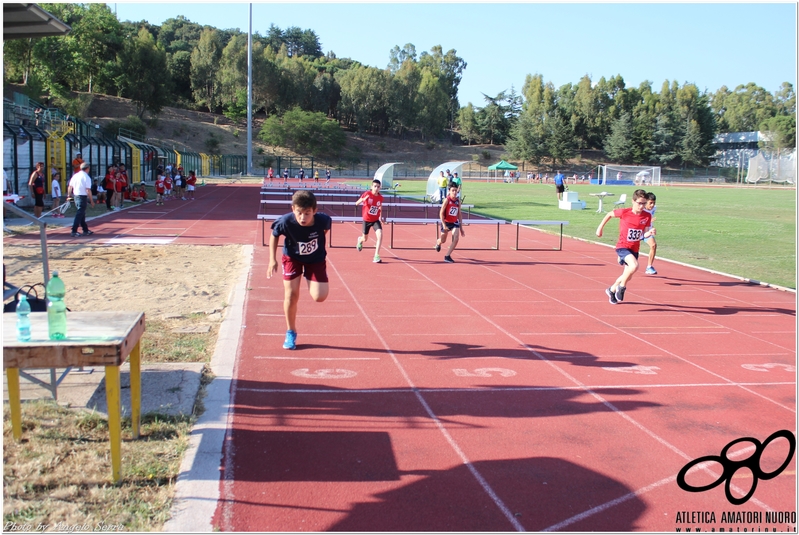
[746,232]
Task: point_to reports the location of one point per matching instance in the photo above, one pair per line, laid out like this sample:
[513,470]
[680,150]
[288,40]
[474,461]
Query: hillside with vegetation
[311,103]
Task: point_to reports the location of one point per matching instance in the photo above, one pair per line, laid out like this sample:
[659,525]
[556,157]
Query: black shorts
[38,199]
[369,224]
[560,188]
[446,227]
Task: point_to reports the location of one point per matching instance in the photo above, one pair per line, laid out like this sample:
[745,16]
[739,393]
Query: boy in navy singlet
[304,231]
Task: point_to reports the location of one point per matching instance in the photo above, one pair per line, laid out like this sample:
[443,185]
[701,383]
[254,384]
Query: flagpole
[249,97]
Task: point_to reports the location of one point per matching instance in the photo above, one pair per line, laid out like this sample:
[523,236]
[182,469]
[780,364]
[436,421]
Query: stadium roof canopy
[23,21]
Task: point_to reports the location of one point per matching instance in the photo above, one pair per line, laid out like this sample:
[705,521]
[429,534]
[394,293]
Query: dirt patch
[172,280]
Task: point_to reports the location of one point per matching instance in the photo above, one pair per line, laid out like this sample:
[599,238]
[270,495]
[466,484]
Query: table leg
[13,402]
[600,205]
[114,419]
[135,389]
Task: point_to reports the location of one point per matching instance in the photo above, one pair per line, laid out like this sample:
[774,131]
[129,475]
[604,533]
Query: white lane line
[318,358]
[309,315]
[740,354]
[149,241]
[310,334]
[438,334]
[497,389]
[685,333]
[648,342]
[475,473]
[588,390]
[568,334]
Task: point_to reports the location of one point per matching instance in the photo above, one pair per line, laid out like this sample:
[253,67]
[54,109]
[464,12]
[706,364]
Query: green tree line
[181,63]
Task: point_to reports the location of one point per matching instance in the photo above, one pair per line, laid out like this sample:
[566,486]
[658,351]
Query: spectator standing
[109,183]
[167,187]
[119,191]
[560,187]
[55,192]
[191,181]
[80,188]
[178,185]
[442,186]
[160,188]
[36,187]
[458,182]
[76,163]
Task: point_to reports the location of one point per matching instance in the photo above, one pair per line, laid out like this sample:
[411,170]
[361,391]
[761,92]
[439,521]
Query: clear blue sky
[710,44]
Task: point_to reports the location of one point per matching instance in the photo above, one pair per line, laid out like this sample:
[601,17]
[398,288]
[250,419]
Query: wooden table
[94,339]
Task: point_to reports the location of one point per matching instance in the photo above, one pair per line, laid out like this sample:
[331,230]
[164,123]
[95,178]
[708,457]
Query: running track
[499,393]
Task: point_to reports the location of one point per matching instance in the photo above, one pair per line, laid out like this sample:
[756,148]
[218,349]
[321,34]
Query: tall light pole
[249,97]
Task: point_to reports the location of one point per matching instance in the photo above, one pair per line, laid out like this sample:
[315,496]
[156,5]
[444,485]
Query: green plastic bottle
[56,308]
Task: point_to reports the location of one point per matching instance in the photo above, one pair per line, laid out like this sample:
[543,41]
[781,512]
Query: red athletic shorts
[313,272]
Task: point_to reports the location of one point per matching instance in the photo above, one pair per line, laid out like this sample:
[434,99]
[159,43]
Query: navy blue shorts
[446,227]
[623,252]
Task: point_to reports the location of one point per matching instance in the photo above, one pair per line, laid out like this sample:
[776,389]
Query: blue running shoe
[651,271]
[291,340]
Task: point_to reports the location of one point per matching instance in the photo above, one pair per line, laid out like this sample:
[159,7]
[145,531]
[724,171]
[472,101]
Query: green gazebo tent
[501,165]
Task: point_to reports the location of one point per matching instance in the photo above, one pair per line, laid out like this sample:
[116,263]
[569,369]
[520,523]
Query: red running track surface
[503,392]
[499,393]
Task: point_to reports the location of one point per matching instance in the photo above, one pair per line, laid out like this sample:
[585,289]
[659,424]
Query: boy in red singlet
[191,181]
[167,187]
[635,225]
[451,220]
[372,202]
[160,188]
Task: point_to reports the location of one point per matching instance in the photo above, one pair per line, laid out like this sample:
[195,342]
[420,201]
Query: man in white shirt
[80,188]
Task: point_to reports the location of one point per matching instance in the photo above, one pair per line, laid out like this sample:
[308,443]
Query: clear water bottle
[23,319]
[56,308]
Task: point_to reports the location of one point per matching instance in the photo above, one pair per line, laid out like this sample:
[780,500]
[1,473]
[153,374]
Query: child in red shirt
[451,220]
[372,210]
[167,187]
[119,184]
[191,180]
[635,225]
[160,188]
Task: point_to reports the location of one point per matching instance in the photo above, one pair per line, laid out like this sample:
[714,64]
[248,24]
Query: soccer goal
[768,167]
[629,174]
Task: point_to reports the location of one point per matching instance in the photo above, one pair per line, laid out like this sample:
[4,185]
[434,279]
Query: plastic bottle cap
[55,273]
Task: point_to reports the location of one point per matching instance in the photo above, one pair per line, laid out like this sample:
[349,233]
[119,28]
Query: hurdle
[426,221]
[519,222]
